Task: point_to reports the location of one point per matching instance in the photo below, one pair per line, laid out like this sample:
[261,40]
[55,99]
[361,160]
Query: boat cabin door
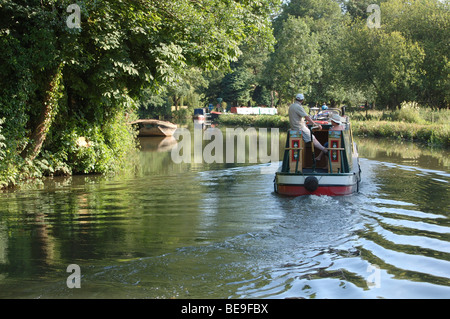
[295,148]
[334,149]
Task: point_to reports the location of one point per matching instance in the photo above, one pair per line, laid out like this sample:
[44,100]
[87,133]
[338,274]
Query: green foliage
[386,124]
[337,59]
[409,113]
[385,62]
[411,122]
[91,147]
[153,105]
[237,86]
[405,60]
[320,13]
[245,82]
[263,96]
[426,22]
[295,64]
[277,121]
[125,53]
[150,55]
[182,115]
[432,133]
[357,10]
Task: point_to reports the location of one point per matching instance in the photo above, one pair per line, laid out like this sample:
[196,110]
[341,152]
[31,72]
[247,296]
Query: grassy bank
[408,123]
[434,134]
[278,121]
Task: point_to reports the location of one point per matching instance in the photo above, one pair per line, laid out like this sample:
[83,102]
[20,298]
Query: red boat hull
[298,190]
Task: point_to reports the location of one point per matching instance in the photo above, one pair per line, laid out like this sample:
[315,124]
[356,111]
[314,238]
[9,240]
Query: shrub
[83,147]
[409,112]
[433,134]
[268,121]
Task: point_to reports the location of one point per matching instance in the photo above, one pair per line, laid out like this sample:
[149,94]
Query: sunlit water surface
[219,231]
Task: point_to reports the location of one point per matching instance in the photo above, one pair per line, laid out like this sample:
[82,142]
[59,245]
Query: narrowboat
[336,174]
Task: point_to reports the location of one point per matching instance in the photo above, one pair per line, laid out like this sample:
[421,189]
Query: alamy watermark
[74,280]
[374,20]
[374,279]
[231,148]
[74,20]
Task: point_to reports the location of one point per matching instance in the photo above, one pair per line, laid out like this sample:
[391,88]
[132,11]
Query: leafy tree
[263,96]
[357,9]
[236,86]
[383,61]
[321,12]
[154,105]
[426,22]
[323,18]
[56,80]
[214,85]
[296,62]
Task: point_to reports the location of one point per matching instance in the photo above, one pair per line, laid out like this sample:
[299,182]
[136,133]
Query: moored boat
[200,114]
[336,174]
[151,127]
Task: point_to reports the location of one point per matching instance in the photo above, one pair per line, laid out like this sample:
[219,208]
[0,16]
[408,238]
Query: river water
[196,230]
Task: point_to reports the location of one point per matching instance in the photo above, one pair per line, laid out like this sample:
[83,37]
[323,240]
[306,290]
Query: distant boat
[150,127]
[200,114]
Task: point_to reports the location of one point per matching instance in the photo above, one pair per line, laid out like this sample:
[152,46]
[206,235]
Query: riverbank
[216,220]
[432,134]
[372,124]
[72,149]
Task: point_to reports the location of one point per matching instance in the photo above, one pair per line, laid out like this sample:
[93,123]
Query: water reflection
[217,230]
[404,153]
[157,143]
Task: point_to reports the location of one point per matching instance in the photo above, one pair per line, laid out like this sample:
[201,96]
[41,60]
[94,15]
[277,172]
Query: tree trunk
[176,100]
[332,103]
[366,107]
[48,110]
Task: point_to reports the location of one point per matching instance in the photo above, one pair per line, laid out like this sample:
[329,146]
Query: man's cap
[299,97]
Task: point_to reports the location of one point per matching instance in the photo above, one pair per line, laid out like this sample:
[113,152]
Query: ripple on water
[225,234]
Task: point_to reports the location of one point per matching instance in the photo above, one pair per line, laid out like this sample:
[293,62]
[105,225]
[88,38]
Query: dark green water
[218,231]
